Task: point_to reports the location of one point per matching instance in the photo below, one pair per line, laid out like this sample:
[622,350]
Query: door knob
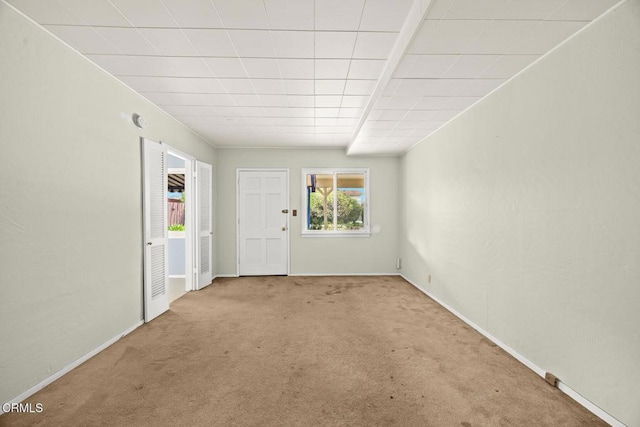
[285,210]
[284,228]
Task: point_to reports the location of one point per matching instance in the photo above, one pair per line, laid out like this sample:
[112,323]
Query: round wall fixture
[139,121]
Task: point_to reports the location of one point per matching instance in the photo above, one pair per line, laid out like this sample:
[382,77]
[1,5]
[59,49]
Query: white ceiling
[374,76]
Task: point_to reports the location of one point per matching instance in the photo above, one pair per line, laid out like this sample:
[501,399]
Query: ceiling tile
[384,15]
[302,112]
[173,84]
[301,100]
[237,85]
[195,111]
[96,12]
[152,66]
[261,68]
[302,121]
[84,39]
[419,115]
[293,44]
[161,99]
[347,121]
[268,86]
[424,66]
[500,36]
[392,114]
[473,9]
[355,101]
[471,66]
[330,44]
[402,102]
[218,99]
[296,68]
[246,100]
[169,42]
[244,14]
[193,13]
[327,112]
[527,9]
[298,87]
[448,87]
[252,43]
[226,67]
[546,36]
[48,12]
[211,42]
[331,68]
[128,41]
[277,111]
[145,13]
[329,87]
[508,66]
[460,102]
[328,100]
[582,10]
[446,37]
[432,102]
[366,68]
[290,15]
[274,100]
[374,45]
[338,14]
[360,87]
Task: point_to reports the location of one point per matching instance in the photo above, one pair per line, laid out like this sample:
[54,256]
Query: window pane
[351,199]
[319,202]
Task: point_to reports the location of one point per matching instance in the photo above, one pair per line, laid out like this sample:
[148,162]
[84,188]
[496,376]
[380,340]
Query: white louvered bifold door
[204,258]
[156,271]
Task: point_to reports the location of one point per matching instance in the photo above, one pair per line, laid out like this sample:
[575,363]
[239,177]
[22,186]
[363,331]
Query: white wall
[376,254]
[70,203]
[526,211]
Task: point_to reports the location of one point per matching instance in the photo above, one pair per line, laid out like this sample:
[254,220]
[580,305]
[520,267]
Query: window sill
[337,234]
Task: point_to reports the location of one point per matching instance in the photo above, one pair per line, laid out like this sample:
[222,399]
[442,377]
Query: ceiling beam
[412,24]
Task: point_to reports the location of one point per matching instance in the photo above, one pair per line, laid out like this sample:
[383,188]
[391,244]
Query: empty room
[320,212]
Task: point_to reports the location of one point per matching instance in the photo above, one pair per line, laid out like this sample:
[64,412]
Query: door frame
[288,196]
[190,217]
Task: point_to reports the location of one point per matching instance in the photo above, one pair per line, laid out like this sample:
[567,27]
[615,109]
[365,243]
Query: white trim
[224,275]
[590,406]
[365,232]
[344,274]
[327,233]
[288,179]
[42,384]
[177,276]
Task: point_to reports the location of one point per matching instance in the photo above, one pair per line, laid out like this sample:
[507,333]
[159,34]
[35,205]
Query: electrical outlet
[428,278]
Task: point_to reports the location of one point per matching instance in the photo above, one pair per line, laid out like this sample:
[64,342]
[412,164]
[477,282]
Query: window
[322,216]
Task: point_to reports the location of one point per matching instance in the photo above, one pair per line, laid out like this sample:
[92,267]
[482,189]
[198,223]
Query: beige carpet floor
[304,351]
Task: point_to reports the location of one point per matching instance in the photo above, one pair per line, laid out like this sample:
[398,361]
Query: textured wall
[71,267]
[525,211]
[375,254]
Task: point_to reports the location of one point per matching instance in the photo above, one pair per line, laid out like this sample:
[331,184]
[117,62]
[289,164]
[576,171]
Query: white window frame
[365,232]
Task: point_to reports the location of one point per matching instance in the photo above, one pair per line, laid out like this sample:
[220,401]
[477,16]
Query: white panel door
[204,258]
[263,223]
[156,271]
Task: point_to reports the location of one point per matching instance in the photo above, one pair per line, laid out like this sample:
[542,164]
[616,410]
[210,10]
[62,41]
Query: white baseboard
[590,406]
[42,384]
[344,274]
[224,275]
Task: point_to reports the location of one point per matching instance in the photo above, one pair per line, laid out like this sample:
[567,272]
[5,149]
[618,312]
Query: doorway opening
[177,222]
